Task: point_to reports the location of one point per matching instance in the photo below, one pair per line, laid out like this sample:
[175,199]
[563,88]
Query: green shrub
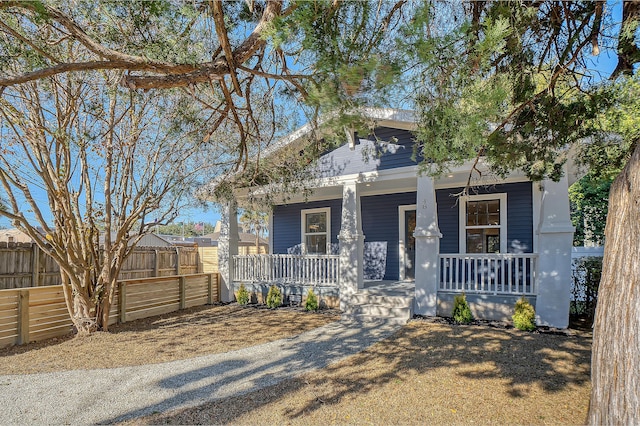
[461,312]
[274,297]
[243,295]
[311,304]
[524,317]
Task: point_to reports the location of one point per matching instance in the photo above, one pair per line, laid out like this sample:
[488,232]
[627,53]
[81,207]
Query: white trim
[406,172]
[462,227]
[271,230]
[536,194]
[397,190]
[442,183]
[303,233]
[401,233]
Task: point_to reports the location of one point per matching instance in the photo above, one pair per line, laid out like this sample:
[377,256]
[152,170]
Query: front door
[409,245]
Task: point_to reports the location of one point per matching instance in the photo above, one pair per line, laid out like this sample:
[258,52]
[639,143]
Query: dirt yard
[178,335]
[428,372]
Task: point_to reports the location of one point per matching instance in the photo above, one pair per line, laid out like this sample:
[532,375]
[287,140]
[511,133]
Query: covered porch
[492,282]
[539,274]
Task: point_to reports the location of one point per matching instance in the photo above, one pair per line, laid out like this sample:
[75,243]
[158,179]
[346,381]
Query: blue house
[380,239]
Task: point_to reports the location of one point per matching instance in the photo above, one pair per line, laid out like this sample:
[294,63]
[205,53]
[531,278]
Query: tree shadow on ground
[436,352]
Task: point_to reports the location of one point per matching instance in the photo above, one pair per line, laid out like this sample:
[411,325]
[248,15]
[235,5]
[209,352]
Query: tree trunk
[84,314]
[615,364]
[81,306]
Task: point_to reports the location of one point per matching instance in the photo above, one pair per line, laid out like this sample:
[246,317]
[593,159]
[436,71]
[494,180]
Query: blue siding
[380,223]
[394,149]
[287,226]
[380,220]
[448,219]
[519,216]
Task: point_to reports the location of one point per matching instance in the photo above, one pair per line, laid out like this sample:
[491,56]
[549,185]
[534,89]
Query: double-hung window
[483,223]
[316,230]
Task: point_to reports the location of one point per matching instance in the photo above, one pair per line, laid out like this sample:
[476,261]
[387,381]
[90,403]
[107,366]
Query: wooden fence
[208,256]
[38,313]
[25,265]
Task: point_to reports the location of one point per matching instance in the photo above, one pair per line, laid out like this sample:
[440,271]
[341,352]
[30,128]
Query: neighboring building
[147,240]
[17,236]
[246,242]
[177,240]
[14,236]
[379,219]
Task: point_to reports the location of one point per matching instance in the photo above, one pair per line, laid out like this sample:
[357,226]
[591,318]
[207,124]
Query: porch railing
[489,273]
[286,268]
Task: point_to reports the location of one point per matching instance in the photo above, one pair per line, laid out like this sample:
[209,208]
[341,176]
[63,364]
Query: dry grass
[425,374]
[179,335]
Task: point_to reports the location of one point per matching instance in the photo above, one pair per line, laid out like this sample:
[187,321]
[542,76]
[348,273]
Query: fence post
[183,292]
[35,265]
[122,291]
[199,266]
[23,316]
[177,260]
[156,264]
[218,287]
[209,289]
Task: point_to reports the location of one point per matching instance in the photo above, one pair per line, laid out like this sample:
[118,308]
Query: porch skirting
[483,306]
[293,294]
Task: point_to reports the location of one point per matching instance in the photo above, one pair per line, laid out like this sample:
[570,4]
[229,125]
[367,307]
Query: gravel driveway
[112,395]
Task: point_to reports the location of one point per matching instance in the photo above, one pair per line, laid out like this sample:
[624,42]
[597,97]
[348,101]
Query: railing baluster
[505,273]
[286,268]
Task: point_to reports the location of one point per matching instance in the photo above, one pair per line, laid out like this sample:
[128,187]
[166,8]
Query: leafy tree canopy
[510,81]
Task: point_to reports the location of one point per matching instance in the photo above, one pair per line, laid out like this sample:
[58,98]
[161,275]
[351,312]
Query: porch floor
[390,288]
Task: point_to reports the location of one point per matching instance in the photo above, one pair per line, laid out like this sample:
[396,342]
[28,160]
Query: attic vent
[351,137]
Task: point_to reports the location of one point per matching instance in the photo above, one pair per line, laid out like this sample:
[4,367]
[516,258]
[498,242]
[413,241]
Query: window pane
[491,240]
[474,240]
[472,213]
[316,244]
[316,222]
[493,209]
[480,213]
[483,240]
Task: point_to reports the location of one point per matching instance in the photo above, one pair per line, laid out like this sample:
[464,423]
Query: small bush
[274,297]
[243,295]
[311,304]
[524,317]
[461,312]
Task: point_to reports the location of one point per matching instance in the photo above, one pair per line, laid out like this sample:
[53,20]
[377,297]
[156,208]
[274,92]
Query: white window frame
[303,223]
[462,220]
[402,229]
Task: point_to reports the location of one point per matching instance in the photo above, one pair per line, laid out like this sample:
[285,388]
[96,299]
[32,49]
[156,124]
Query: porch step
[365,298]
[366,307]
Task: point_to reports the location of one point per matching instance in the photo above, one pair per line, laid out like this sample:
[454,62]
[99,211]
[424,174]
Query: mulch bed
[505,325]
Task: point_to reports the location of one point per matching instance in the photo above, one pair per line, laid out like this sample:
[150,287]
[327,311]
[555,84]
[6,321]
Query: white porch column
[351,244]
[227,248]
[555,239]
[427,235]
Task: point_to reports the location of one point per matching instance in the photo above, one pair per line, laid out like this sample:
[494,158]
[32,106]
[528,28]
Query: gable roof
[298,139]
